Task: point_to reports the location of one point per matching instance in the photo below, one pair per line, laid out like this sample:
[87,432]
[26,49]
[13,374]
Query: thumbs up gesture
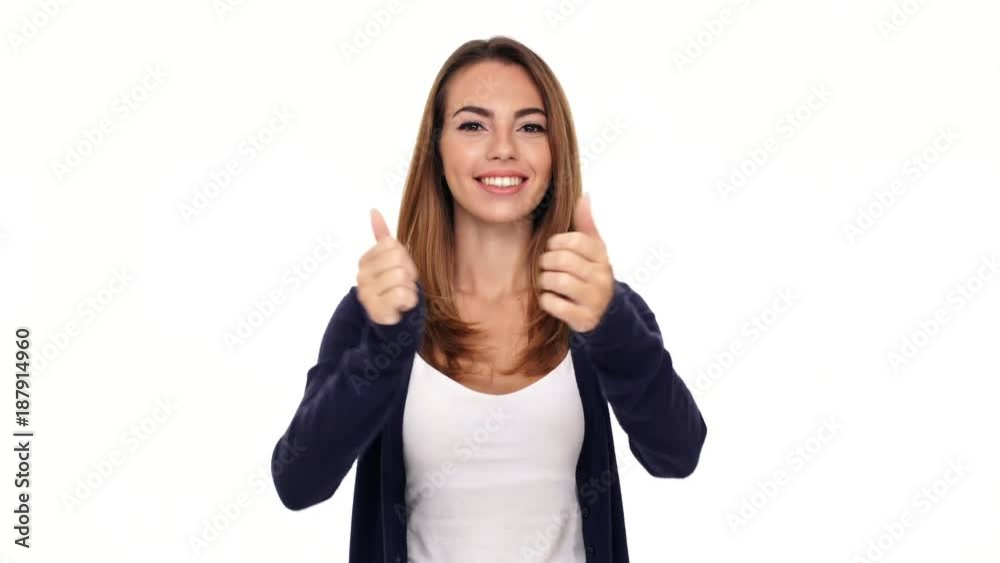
[387,276]
[576,280]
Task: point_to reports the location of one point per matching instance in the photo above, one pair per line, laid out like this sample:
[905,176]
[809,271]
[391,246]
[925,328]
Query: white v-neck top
[492,478]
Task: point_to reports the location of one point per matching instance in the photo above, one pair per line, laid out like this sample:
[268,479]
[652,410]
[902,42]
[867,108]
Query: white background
[65,238]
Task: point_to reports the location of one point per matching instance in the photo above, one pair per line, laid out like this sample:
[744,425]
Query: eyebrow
[489,113]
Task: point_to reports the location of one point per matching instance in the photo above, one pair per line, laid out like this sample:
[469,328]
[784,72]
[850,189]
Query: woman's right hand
[387,276]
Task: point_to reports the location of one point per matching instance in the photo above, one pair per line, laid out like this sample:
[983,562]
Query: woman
[470,370]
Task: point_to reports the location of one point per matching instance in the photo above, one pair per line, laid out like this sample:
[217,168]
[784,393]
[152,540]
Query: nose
[502,146]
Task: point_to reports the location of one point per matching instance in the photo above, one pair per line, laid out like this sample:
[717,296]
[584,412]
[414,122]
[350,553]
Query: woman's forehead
[493,85]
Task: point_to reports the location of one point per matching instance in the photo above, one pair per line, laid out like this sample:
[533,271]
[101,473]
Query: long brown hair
[426,220]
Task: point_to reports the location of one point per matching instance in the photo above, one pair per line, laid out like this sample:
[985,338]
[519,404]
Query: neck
[490,257]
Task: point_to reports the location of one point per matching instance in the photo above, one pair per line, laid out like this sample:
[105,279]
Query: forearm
[651,402]
[349,395]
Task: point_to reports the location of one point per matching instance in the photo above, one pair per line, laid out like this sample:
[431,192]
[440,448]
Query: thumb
[583,218]
[379,227]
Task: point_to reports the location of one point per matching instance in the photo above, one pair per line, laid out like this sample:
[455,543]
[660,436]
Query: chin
[490,207]
[497,214]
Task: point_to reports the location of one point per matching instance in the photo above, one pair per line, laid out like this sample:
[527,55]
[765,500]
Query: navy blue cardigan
[352,410]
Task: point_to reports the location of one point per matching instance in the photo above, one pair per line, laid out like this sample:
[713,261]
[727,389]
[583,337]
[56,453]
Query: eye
[538,128]
[468,126]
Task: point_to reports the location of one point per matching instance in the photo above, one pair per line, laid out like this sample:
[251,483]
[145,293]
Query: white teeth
[505,182]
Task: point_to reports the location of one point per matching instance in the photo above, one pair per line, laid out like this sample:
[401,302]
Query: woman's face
[495,133]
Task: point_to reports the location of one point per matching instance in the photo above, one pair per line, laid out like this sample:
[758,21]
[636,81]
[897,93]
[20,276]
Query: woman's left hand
[576,280]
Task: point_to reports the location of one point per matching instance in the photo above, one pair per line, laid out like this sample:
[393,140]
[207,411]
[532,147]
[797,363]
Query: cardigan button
[398,558]
[590,551]
[585,511]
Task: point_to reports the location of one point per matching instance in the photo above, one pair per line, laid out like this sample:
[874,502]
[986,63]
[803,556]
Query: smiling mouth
[501,182]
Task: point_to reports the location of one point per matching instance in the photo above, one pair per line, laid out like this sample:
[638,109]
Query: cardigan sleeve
[349,394]
[665,428]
